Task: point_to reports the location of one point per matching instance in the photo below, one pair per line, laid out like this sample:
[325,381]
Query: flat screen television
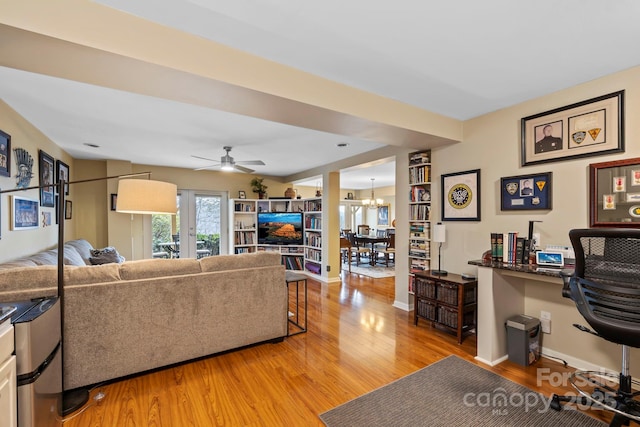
[280,228]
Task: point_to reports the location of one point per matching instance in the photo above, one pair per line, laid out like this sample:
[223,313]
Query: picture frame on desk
[460,196]
[614,193]
[587,128]
[242,194]
[526,192]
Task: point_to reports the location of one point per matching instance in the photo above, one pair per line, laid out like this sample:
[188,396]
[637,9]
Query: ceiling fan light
[226,164]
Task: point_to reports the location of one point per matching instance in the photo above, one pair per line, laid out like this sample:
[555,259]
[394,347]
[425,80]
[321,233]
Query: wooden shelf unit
[419,214]
[244,233]
[448,302]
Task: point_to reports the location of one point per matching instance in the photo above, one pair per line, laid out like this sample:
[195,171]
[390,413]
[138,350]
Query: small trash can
[523,339]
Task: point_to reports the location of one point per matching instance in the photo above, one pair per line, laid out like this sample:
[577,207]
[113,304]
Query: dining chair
[345,252]
[357,250]
[390,250]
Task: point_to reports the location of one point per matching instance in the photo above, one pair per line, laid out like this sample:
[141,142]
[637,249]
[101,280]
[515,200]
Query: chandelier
[372,203]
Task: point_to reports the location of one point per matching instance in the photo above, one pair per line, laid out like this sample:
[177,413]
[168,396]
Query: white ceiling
[459,58]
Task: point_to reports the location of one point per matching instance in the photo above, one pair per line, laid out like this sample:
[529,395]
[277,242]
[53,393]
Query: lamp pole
[72,399]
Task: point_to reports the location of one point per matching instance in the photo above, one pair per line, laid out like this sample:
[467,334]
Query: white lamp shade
[438,232]
[140,196]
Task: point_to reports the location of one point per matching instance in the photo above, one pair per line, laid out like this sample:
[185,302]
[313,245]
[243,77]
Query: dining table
[368,239]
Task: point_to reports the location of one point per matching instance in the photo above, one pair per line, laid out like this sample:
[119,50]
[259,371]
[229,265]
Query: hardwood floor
[356,342]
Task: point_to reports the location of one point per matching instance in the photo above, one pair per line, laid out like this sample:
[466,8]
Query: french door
[199,229]
[203,223]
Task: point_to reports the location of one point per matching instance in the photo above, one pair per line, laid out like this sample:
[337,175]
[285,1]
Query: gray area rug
[453,392]
[376,272]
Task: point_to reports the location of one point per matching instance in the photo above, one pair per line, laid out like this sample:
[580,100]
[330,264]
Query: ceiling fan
[227,163]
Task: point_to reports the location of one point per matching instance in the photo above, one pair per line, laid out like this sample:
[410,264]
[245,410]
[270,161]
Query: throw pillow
[105,256]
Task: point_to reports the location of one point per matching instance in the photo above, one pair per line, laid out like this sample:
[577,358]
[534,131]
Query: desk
[501,294]
[294,317]
[365,238]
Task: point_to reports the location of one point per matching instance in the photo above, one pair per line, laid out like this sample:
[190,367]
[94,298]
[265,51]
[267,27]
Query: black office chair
[606,289]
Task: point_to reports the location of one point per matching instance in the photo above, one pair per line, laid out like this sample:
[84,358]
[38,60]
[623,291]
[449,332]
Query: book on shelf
[419,194]
[509,248]
[419,158]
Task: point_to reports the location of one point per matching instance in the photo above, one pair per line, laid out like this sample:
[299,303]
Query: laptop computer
[550,259]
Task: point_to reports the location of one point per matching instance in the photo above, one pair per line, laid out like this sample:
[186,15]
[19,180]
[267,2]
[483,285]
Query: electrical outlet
[545,321]
[545,324]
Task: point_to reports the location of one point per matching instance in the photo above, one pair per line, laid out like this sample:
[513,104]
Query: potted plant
[259,187]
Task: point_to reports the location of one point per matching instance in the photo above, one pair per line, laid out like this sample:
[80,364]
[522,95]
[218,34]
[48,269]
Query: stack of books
[509,248]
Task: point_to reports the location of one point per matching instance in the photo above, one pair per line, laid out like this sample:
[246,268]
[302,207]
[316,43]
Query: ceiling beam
[76,40]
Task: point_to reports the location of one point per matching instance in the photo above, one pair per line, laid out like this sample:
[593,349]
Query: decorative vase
[290,193]
[262,195]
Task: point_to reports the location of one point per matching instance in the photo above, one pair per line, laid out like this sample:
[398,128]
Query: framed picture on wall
[461,196]
[526,192]
[5,154]
[47,175]
[587,128]
[614,193]
[383,215]
[68,209]
[62,172]
[25,213]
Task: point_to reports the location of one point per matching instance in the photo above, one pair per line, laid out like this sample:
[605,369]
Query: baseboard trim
[495,362]
[402,306]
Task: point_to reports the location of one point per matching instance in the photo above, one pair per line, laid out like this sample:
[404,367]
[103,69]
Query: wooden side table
[448,302]
[293,313]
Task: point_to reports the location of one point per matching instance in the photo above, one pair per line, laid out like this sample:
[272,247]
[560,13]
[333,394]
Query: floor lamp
[135,196]
[439,232]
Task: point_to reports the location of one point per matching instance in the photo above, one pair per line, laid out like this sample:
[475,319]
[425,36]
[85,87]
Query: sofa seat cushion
[91,274]
[240,261]
[149,268]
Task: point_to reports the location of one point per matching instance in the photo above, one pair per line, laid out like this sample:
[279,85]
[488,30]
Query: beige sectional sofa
[122,319]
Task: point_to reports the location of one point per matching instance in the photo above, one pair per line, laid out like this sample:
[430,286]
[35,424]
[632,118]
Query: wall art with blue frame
[526,192]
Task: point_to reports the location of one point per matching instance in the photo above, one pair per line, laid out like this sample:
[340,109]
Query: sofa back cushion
[72,257]
[28,282]
[49,257]
[91,274]
[149,268]
[17,263]
[240,261]
[83,248]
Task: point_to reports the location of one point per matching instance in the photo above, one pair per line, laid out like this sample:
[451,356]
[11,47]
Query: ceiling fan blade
[207,167]
[251,162]
[243,169]
[204,158]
